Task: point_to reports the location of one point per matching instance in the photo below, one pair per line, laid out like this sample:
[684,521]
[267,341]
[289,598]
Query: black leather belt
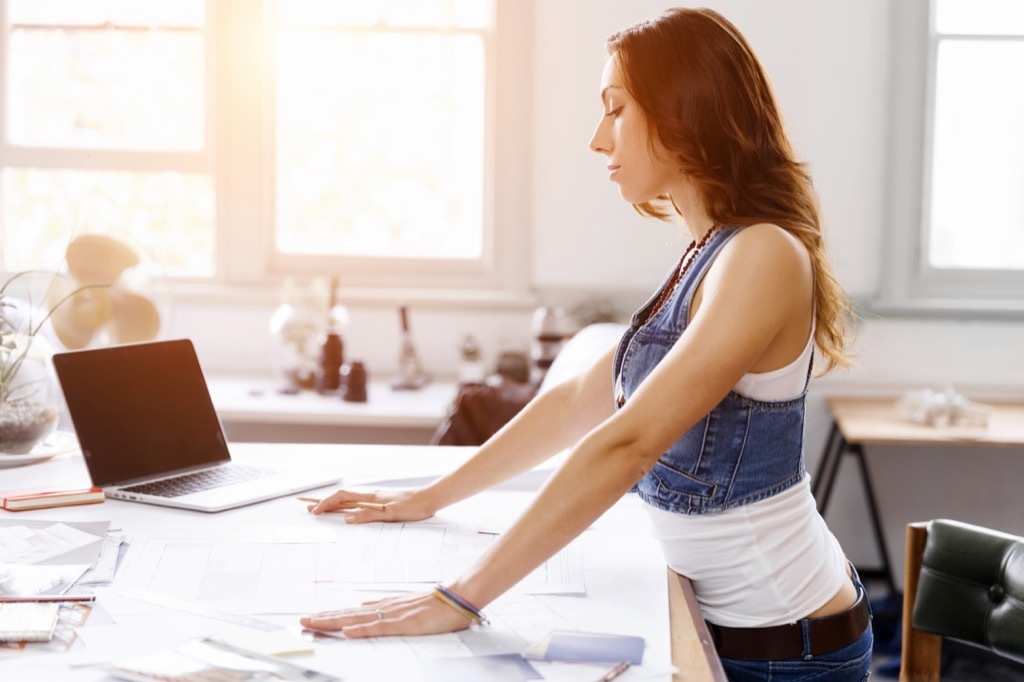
[780,642]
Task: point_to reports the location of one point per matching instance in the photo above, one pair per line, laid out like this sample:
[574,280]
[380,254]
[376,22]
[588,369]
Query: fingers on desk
[416,614]
[352,504]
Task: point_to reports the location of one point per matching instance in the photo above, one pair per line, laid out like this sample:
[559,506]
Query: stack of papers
[46,558]
[42,562]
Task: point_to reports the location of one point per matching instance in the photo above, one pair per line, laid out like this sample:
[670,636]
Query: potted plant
[87,302]
[29,408]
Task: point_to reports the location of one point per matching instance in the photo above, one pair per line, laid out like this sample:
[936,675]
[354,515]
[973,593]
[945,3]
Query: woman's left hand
[412,614]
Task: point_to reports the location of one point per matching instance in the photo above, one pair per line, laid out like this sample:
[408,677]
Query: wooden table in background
[859,422]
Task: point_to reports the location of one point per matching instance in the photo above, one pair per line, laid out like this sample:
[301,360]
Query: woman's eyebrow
[605,89]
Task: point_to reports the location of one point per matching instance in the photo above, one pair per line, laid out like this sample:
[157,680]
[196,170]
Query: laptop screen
[140,410]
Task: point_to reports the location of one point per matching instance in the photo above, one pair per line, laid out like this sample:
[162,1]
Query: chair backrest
[965,582]
[581,351]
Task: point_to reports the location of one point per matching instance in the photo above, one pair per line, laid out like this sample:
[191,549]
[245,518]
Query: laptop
[149,432]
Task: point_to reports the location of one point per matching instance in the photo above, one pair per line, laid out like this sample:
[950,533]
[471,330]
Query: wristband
[461,605]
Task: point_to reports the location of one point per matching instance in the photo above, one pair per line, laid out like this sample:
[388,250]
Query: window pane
[169,215]
[380,144]
[977,192]
[986,17]
[105,88]
[386,13]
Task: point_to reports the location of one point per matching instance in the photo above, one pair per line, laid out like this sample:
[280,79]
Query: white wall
[828,63]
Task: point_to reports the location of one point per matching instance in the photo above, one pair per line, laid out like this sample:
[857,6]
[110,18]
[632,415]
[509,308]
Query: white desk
[255,410]
[624,571]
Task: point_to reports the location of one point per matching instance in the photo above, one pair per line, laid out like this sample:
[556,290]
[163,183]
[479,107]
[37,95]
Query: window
[105,129]
[956,185]
[239,143]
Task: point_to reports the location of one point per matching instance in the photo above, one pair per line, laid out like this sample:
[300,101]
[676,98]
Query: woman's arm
[750,300]
[548,424]
[756,298]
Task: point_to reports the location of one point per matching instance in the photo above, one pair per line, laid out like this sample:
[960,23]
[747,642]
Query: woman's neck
[691,209]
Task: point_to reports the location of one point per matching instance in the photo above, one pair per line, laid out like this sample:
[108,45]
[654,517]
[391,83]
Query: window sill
[941,309]
[263,294]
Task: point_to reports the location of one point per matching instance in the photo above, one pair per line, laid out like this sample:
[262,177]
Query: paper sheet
[263,577]
[21,544]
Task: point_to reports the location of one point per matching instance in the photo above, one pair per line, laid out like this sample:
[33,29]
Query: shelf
[256,409]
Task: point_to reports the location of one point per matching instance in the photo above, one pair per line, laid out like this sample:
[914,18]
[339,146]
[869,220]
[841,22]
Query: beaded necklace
[684,264]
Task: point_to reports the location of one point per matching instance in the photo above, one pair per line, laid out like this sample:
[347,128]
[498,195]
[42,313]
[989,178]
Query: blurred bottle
[410,369]
[332,346]
[551,329]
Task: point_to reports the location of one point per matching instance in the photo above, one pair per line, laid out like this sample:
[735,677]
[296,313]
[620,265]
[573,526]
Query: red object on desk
[42,498]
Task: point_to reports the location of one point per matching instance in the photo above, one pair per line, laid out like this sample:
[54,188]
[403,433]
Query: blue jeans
[852,663]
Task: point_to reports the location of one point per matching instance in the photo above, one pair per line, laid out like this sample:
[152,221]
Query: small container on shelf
[551,329]
[471,364]
[353,382]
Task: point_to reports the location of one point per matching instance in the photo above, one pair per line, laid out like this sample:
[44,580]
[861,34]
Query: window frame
[238,155]
[910,286]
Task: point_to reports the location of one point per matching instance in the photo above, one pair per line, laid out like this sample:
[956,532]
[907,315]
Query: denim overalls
[744,450]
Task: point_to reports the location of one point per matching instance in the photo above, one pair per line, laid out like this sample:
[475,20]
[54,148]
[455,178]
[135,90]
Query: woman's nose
[597,140]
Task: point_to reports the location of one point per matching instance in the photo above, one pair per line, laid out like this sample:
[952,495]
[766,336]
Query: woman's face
[638,164]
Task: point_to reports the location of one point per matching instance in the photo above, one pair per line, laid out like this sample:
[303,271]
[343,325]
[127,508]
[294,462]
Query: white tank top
[766,563]
[784,383]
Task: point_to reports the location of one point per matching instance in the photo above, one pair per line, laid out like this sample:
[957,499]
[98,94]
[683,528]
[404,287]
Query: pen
[614,672]
[356,505]
[48,598]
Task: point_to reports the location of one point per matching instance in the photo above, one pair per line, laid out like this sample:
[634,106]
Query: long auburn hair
[707,98]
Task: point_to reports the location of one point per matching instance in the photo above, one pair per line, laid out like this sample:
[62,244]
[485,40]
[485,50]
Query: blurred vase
[29,394]
[296,328]
[299,328]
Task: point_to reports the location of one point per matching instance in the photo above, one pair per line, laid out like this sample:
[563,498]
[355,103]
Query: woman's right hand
[399,504]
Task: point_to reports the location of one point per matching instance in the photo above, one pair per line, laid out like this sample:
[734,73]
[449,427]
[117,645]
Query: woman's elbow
[635,454]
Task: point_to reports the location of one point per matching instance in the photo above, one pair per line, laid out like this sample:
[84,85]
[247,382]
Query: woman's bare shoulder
[766,251]
[763,264]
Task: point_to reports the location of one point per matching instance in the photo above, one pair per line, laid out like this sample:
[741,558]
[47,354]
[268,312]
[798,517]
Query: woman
[700,408]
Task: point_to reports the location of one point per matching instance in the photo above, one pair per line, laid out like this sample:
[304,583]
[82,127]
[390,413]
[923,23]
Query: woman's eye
[614,112]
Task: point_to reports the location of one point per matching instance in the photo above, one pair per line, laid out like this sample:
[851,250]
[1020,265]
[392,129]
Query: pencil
[355,504]
[48,598]
[614,672]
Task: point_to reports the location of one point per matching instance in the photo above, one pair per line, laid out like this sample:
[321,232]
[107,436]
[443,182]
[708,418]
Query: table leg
[835,447]
[869,490]
[828,468]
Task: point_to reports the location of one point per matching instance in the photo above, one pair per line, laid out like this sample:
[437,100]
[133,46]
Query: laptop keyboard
[199,481]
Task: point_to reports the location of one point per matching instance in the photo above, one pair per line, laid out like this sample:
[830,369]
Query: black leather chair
[965,582]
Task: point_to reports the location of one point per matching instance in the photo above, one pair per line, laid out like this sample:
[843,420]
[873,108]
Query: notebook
[148,430]
[28,621]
